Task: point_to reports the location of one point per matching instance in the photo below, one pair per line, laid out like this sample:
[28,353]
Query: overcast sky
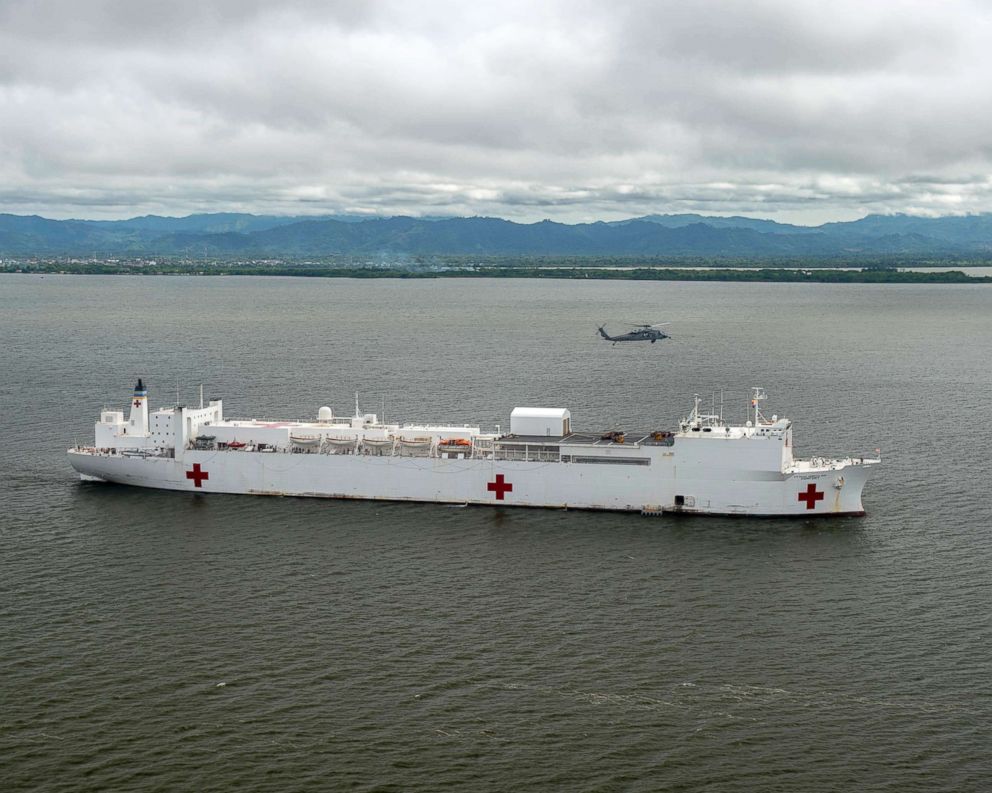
[573,110]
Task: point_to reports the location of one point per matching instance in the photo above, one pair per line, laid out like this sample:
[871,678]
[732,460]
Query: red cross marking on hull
[197,475]
[499,487]
[137,403]
[811,496]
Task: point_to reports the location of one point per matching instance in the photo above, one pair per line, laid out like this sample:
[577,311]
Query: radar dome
[324,414]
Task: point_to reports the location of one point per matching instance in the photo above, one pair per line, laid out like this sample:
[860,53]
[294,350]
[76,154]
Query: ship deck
[638,438]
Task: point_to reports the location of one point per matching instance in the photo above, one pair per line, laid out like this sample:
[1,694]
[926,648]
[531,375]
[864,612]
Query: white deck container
[540,421]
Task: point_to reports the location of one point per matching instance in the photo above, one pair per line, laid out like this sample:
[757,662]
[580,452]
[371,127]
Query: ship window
[609,460]
[680,501]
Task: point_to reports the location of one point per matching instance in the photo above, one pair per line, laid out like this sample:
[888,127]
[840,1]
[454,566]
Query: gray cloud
[798,110]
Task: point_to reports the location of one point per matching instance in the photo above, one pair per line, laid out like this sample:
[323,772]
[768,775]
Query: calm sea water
[154,641]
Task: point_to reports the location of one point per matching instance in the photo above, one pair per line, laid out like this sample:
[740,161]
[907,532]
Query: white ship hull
[572,486]
[706,468]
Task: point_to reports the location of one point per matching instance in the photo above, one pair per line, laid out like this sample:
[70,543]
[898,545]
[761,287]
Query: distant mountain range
[682,236]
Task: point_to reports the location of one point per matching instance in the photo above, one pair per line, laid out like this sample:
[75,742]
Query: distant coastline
[591,270]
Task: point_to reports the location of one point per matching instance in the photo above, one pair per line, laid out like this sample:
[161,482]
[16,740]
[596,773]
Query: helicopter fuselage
[644,334]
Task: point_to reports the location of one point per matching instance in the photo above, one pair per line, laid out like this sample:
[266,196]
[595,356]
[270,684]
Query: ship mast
[757,395]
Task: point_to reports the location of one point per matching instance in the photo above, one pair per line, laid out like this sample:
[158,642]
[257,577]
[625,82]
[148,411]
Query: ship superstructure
[706,466]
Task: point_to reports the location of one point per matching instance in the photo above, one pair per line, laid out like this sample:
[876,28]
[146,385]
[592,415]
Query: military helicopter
[649,333]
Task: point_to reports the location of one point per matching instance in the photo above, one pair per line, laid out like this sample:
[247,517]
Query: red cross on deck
[197,475]
[137,403]
[811,496]
[499,487]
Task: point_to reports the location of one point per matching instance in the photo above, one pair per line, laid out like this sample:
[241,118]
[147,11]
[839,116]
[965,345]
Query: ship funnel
[138,420]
